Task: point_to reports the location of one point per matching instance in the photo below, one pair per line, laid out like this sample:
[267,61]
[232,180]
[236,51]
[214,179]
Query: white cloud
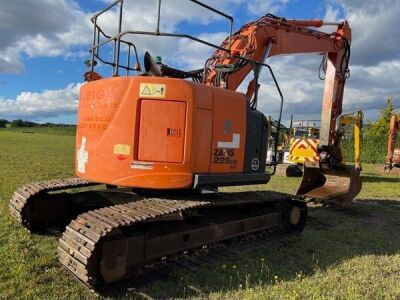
[375,30]
[39,28]
[48,103]
[297,76]
[68,25]
[374,64]
[298,80]
[267,6]
[331,14]
[10,61]
[193,55]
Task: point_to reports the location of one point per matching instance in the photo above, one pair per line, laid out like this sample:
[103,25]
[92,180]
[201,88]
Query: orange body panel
[229,132]
[203,122]
[138,131]
[161,133]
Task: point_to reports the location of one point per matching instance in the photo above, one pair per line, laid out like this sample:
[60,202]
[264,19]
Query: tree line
[21,123]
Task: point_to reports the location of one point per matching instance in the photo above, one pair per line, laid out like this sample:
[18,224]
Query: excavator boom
[248,49]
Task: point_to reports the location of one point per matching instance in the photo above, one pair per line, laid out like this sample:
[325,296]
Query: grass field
[68,130]
[351,254]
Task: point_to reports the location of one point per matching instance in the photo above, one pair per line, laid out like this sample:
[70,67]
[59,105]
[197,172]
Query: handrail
[95,51]
[106,9]
[96,45]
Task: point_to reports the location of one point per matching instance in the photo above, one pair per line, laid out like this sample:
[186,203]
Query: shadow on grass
[369,227]
[380,179]
[378,202]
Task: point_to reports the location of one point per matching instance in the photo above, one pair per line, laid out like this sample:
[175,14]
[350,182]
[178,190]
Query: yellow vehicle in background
[355,119]
[304,139]
[301,146]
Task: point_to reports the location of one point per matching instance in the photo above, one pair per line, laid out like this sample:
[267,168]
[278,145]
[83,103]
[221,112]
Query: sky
[44,43]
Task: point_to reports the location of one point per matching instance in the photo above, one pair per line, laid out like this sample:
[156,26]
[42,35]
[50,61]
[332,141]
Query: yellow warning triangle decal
[146,91]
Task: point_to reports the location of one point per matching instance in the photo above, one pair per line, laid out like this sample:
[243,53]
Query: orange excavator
[392,160]
[159,143]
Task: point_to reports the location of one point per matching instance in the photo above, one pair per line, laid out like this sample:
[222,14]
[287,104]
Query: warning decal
[122,149]
[82,156]
[152,90]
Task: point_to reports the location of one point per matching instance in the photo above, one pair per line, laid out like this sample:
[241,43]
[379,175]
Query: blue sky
[42,55]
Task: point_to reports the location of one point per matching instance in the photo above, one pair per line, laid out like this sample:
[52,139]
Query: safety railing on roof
[118,42]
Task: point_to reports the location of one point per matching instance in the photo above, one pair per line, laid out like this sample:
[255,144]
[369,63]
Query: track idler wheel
[294,214]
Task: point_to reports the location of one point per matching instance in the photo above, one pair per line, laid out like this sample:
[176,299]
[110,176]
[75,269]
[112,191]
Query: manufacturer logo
[255,164]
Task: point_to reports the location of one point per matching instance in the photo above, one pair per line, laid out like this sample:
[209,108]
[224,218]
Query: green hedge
[374,149]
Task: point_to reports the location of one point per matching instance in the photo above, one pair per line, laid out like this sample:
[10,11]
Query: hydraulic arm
[271,36]
[250,46]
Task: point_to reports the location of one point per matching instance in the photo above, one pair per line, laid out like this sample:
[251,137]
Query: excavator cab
[335,185]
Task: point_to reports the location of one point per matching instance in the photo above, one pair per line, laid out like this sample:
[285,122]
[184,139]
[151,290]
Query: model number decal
[225,156]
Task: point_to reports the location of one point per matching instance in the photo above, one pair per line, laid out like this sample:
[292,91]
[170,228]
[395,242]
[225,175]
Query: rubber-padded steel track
[25,194]
[83,235]
[82,243]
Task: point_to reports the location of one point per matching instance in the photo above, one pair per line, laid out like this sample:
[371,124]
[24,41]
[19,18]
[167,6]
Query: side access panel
[162,131]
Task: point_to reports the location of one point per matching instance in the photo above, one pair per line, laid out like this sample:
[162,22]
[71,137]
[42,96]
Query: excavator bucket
[332,186]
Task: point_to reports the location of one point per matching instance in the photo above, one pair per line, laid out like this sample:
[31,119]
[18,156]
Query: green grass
[70,130]
[352,253]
